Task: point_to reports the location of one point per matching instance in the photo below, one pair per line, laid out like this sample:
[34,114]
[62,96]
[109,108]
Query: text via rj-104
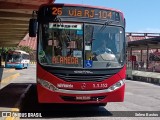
[89,13]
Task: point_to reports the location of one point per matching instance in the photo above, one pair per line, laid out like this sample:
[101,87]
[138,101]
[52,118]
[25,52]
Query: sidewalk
[150,77]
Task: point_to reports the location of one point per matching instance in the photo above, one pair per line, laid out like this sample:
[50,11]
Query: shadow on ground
[10,94]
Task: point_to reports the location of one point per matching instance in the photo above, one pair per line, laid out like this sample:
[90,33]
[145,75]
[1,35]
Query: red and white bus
[80,54]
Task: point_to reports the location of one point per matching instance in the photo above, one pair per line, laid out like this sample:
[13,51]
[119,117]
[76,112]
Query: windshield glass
[61,44]
[14,57]
[81,45]
[104,46]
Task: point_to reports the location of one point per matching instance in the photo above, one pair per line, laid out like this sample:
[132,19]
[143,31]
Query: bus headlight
[47,84]
[116,85]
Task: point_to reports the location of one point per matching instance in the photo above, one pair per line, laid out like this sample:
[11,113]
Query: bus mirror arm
[33,25]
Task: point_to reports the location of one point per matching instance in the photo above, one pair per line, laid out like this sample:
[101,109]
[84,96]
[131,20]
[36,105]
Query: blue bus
[17,59]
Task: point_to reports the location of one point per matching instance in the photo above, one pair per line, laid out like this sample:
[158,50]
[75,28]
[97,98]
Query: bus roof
[24,52]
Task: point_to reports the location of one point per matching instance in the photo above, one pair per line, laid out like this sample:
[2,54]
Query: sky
[141,15]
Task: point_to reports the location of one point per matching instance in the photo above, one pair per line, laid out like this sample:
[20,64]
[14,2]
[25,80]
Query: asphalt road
[141,99]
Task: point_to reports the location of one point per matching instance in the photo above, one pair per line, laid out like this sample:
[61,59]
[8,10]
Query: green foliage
[25,48]
[6,49]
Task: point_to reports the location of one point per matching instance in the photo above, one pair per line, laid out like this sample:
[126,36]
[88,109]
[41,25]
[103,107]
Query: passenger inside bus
[58,48]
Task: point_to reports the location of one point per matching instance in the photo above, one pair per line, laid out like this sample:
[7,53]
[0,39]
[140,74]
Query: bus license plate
[83,97]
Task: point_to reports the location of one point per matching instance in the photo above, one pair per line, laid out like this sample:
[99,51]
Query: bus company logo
[83,72]
[83,86]
[62,85]
[6,114]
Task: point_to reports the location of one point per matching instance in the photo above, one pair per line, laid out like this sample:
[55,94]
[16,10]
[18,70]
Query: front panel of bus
[81,58]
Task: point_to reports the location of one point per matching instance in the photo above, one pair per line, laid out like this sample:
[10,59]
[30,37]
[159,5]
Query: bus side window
[23,57]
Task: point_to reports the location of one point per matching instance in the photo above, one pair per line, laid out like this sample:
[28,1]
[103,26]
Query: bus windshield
[81,45]
[14,57]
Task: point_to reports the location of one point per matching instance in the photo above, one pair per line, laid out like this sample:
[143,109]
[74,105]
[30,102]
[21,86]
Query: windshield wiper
[57,19]
[108,22]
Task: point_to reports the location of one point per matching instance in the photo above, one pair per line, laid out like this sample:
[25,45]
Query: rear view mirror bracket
[33,25]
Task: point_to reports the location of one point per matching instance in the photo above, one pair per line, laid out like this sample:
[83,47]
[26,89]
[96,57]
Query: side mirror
[32,27]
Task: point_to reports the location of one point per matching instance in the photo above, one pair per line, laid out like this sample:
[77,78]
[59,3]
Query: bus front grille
[82,78]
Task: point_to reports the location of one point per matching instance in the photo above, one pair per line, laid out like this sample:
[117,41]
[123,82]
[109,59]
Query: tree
[25,48]
[4,50]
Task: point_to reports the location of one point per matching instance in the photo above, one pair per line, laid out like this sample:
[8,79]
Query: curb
[147,79]
[32,62]
[22,96]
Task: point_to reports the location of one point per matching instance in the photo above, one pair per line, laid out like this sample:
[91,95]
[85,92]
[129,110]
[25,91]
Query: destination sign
[64,60]
[85,12]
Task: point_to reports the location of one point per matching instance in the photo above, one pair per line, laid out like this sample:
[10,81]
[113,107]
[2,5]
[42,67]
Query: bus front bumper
[48,96]
[14,65]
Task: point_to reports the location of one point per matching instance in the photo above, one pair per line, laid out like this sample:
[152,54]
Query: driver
[103,53]
[102,49]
